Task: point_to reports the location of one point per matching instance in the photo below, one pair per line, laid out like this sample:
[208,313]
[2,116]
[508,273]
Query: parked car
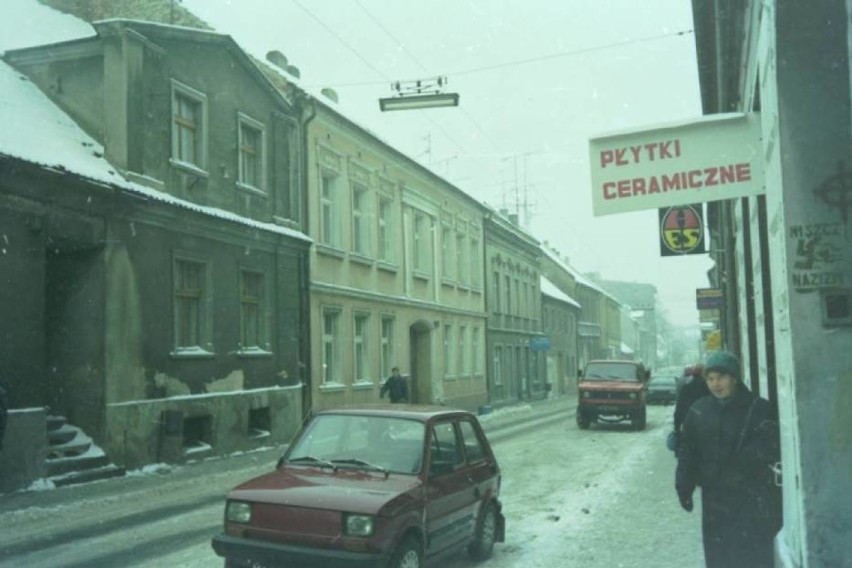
[612,391]
[374,486]
[662,389]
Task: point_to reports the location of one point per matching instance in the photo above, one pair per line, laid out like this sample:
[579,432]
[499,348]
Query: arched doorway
[420,364]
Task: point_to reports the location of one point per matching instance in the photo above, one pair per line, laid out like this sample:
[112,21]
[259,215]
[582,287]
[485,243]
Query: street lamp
[422,93]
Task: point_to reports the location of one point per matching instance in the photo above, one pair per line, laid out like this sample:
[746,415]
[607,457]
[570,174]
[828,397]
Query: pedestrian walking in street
[729,446]
[396,386]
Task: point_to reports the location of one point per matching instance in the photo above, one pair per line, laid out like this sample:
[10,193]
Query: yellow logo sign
[681,231]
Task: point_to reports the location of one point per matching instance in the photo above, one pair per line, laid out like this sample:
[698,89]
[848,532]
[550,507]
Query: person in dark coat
[396,387]
[729,443]
[689,392]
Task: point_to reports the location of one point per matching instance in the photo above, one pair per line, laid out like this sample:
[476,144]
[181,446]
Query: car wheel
[486,534]
[407,555]
[639,419]
[583,420]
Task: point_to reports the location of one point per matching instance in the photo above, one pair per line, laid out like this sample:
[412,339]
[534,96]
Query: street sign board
[709,298]
[540,343]
[712,158]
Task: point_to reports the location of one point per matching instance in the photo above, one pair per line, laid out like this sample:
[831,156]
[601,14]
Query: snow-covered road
[596,498]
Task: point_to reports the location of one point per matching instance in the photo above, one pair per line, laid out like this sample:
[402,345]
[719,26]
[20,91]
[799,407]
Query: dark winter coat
[692,390]
[396,387]
[730,460]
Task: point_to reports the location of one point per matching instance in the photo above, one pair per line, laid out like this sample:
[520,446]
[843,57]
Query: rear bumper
[268,554]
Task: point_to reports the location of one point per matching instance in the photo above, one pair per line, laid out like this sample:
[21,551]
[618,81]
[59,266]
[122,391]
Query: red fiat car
[374,486]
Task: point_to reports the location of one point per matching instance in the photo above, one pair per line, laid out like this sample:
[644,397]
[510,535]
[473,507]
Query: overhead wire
[368,63]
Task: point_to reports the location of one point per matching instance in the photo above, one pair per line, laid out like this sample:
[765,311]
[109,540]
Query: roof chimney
[329,93]
[277,58]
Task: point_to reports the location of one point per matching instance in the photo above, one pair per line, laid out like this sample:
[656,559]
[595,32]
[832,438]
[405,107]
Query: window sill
[363,385]
[448,283]
[332,387]
[253,352]
[330,250]
[258,434]
[463,287]
[387,266]
[420,275]
[451,378]
[358,258]
[188,168]
[191,353]
[251,189]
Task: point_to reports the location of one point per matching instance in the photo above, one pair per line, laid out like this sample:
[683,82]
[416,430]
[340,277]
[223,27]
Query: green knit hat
[723,362]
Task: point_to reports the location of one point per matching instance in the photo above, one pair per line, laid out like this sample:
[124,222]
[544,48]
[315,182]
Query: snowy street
[596,498]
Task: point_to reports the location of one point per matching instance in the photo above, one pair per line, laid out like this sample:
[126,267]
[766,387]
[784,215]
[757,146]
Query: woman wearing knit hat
[728,444]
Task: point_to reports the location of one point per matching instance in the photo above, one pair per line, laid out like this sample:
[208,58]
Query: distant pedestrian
[396,387]
[729,444]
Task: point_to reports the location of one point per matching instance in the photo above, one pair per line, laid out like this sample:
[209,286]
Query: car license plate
[610,408]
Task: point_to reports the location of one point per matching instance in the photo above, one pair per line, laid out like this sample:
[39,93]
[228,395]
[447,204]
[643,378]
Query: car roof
[419,412]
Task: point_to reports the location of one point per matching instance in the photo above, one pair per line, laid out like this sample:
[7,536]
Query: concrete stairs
[72,456]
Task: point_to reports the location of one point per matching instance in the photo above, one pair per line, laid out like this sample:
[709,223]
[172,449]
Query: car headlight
[358,525]
[238,512]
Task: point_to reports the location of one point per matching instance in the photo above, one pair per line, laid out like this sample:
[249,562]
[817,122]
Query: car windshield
[611,372]
[345,441]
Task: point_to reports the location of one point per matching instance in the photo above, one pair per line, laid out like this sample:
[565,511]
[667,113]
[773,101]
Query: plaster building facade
[163,313]
[396,271]
[559,315]
[516,346]
[783,259]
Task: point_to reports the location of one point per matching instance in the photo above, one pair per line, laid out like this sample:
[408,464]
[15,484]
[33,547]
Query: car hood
[626,386]
[355,491]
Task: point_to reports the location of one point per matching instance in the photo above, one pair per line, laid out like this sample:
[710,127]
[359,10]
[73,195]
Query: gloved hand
[685,498]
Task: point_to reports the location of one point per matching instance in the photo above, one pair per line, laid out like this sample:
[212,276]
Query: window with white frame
[475,266]
[360,219]
[498,365]
[189,126]
[461,259]
[475,349]
[507,296]
[253,330]
[464,350]
[449,368]
[446,252]
[331,346]
[191,305]
[387,345]
[495,297]
[386,244]
[329,200]
[252,153]
[419,242]
[360,333]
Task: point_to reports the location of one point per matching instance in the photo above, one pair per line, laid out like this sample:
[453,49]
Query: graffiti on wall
[819,257]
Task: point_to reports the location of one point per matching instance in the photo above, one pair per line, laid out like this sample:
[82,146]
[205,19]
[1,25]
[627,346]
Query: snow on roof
[625,349]
[548,288]
[26,23]
[37,131]
[576,274]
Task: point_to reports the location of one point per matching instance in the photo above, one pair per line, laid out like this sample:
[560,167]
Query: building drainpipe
[304,102]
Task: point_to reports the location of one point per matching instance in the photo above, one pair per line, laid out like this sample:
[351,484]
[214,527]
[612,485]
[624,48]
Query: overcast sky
[537,79]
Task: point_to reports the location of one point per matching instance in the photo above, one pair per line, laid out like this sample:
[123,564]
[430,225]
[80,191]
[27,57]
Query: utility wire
[529,60]
[423,68]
